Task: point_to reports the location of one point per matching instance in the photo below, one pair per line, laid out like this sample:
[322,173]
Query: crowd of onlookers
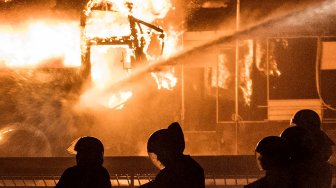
[298,158]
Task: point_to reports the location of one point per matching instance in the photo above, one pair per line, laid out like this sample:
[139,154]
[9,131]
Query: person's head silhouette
[307,119]
[90,151]
[166,145]
[272,153]
[310,121]
[299,142]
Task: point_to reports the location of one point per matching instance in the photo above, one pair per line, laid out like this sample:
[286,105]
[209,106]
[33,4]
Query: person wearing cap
[165,148]
[89,171]
[272,157]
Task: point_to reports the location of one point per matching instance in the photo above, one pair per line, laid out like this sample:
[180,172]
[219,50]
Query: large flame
[40,42]
[111,63]
[60,43]
[147,10]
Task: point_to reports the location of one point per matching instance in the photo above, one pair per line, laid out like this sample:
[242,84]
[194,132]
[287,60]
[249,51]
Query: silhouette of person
[89,172]
[310,149]
[165,149]
[273,157]
[310,120]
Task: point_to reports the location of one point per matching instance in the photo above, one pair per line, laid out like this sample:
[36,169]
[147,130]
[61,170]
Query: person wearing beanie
[89,171]
[165,148]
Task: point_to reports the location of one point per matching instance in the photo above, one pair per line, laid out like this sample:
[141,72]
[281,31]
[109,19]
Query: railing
[221,171]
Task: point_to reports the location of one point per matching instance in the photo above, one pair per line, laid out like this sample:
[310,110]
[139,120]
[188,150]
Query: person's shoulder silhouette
[89,172]
[311,121]
[165,149]
[310,150]
[272,157]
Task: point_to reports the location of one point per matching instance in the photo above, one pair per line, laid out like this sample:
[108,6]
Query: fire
[246,80]
[147,10]
[115,33]
[220,77]
[61,43]
[40,42]
[165,79]
[117,101]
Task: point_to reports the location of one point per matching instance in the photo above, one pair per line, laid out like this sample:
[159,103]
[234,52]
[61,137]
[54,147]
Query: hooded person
[89,171]
[165,149]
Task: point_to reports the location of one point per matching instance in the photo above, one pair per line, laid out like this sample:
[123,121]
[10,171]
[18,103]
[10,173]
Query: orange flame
[246,85]
[147,10]
[165,79]
[40,42]
[59,43]
[111,63]
[220,75]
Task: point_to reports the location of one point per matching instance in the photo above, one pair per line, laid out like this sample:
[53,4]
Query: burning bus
[244,68]
[64,53]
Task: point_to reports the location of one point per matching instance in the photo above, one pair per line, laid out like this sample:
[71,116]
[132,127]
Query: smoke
[48,100]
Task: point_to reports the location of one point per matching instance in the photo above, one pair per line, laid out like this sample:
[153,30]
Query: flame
[261,58]
[260,54]
[112,63]
[106,24]
[40,42]
[148,10]
[117,101]
[246,80]
[273,65]
[60,43]
[220,76]
[165,79]
[172,44]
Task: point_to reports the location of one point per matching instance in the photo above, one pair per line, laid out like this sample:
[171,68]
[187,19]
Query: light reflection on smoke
[23,141]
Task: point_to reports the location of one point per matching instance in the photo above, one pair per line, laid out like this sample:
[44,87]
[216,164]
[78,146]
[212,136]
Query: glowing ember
[46,42]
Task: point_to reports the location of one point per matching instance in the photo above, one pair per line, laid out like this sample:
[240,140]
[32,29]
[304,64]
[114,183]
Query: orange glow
[4,132]
[246,85]
[117,101]
[50,43]
[105,24]
[112,63]
[165,79]
[147,10]
[221,75]
[60,43]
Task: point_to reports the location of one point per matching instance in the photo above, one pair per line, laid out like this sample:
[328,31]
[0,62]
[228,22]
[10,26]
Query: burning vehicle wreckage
[48,67]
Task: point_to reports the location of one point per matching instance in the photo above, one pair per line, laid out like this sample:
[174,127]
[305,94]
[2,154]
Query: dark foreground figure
[165,149]
[89,172]
[310,150]
[272,157]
